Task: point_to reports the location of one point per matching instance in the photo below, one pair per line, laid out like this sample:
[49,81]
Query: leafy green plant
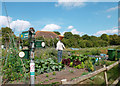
[47,65]
[47,75]
[46,80]
[82,65]
[89,65]
[51,78]
[54,73]
[55,83]
[71,64]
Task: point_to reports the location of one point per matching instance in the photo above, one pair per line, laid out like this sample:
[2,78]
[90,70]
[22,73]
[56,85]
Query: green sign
[38,43]
[24,35]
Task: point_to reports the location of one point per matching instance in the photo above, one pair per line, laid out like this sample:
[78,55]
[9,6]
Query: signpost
[24,35]
[32,48]
[30,35]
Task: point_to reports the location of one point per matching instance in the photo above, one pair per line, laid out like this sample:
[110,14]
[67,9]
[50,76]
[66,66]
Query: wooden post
[119,62]
[105,75]
[64,81]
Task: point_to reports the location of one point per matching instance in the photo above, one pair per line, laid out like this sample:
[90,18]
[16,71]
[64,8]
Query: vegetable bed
[80,62]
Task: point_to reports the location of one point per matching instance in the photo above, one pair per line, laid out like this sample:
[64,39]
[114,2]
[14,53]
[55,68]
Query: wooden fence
[85,77]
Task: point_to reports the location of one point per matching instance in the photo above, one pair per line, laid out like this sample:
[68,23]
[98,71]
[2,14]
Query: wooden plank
[105,75]
[119,62]
[82,78]
[111,66]
[115,82]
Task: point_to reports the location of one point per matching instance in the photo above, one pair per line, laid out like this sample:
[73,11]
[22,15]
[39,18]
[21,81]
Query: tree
[105,37]
[114,39]
[76,36]
[82,43]
[6,33]
[58,33]
[89,43]
[68,35]
[86,37]
[39,38]
[93,38]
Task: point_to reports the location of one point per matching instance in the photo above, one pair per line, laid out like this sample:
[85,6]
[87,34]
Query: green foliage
[68,35]
[89,65]
[13,68]
[54,73]
[54,83]
[46,80]
[48,53]
[51,78]
[82,65]
[85,37]
[47,65]
[58,33]
[95,52]
[47,75]
[71,64]
[105,37]
[5,34]
[85,73]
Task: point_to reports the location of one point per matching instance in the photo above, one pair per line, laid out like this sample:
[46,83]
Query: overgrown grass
[45,53]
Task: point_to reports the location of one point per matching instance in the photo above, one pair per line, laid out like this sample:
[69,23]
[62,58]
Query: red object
[61,37]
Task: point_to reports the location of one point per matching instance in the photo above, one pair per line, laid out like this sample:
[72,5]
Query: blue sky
[92,18]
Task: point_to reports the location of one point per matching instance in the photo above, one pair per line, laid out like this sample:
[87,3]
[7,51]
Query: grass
[51,78]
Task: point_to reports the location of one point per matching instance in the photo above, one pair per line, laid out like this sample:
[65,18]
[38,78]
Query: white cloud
[111,31]
[20,25]
[70,27]
[109,16]
[74,31]
[4,21]
[70,3]
[63,32]
[112,9]
[51,27]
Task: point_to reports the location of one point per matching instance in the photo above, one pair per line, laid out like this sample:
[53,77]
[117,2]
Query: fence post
[64,81]
[105,75]
[119,62]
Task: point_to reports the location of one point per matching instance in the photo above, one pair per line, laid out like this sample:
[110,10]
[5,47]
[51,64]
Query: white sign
[21,54]
[32,67]
[2,46]
[43,44]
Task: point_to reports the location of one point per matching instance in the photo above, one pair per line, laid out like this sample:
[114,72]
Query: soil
[64,74]
[55,79]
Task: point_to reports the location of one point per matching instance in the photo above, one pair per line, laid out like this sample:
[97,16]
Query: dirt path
[64,74]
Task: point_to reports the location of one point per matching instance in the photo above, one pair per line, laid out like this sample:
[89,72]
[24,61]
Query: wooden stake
[105,75]
[119,62]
